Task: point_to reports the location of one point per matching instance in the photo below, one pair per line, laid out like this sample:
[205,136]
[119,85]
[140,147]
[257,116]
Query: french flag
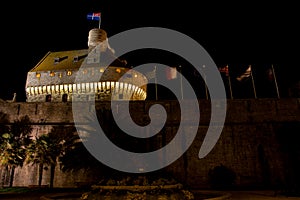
[94,16]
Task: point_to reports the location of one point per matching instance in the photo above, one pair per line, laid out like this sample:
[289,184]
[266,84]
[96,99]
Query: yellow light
[118,70]
[44,89]
[28,90]
[107,85]
[101,70]
[48,89]
[66,88]
[38,75]
[74,87]
[40,90]
[70,88]
[69,73]
[52,73]
[32,90]
[57,88]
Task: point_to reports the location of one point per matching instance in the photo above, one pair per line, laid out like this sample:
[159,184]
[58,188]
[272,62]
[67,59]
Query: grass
[15,189]
[36,190]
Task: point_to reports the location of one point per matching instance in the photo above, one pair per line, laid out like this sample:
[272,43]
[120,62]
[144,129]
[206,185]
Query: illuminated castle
[68,75]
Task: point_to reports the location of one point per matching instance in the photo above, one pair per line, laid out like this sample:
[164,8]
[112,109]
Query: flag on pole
[171,73]
[272,78]
[270,74]
[224,70]
[151,74]
[245,75]
[94,16]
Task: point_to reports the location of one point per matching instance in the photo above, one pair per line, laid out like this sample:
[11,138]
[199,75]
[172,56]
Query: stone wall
[249,144]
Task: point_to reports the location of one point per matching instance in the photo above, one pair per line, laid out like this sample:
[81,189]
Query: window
[64,97]
[69,73]
[48,98]
[77,58]
[52,73]
[59,59]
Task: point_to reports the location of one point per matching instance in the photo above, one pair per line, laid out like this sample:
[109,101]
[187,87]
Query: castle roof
[61,60]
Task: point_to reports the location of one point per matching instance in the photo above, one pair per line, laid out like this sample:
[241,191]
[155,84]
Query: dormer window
[78,58]
[59,59]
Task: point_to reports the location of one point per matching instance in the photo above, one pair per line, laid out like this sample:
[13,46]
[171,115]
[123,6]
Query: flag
[245,75]
[224,70]
[270,74]
[94,16]
[151,74]
[171,73]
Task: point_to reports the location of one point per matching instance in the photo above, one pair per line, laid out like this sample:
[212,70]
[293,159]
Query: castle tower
[55,77]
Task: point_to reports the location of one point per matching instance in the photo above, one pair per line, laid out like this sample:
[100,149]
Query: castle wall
[248,145]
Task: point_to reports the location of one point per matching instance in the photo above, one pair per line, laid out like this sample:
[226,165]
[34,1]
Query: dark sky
[238,33]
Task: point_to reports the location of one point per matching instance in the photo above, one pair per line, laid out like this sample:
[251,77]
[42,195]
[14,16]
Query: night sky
[237,34]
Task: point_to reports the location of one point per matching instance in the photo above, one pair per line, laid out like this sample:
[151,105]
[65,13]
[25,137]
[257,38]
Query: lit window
[38,75]
[52,74]
[69,73]
[118,70]
[101,70]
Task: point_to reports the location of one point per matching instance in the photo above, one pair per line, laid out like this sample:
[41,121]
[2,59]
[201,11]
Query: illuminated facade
[68,75]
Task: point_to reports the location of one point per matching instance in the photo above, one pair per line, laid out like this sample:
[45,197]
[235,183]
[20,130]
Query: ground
[235,195]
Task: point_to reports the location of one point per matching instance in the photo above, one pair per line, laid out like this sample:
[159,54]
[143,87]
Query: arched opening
[48,98]
[64,97]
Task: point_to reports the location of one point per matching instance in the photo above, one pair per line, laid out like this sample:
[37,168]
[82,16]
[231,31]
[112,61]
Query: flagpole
[229,83]
[205,85]
[253,85]
[155,79]
[181,88]
[277,90]
[100,21]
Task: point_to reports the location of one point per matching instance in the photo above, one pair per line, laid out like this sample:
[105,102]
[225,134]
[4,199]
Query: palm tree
[47,148]
[13,145]
[4,119]
[38,153]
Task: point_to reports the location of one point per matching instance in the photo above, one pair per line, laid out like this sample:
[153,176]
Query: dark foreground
[74,194]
